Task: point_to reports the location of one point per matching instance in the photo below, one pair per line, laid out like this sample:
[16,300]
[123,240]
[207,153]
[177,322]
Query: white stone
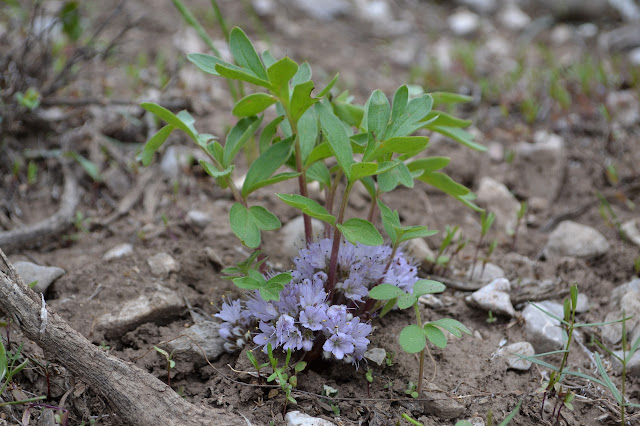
[464,23]
[121,250]
[293,235]
[198,219]
[174,159]
[497,198]
[296,418]
[494,297]
[431,301]
[633,364]
[630,230]
[377,355]
[634,56]
[160,306]
[44,275]
[576,240]
[490,272]
[201,340]
[513,18]
[325,10]
[623,107]
[630,306]
[543,331]
[509,354]
[583,303]
[618,293]
[162,264]
[419,250]
[539,167]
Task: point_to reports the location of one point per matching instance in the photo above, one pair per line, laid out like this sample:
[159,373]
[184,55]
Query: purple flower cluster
[304,314]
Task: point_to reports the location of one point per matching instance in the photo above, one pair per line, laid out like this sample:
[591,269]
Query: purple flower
[267,335]
[339,345]
[313,317]
[231,312]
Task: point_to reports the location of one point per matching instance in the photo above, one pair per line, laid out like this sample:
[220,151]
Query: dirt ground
[464,380]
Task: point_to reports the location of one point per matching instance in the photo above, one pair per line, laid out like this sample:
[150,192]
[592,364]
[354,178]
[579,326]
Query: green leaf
[444,183]
[319,172]
[253,104]
[349,113]
[406,301]
[336,135]
[412,339]
[213,171]
[429,164]
[308,207]
[411,232]
[307,132]
[154,143]
[268,60]
[409,121]
[182,121]
[452,326]
[238,136]
[378,113]
[385,292]
[512,415]
[427,287]
[326,90]
[279,75]
[458,135]
[390,220]
[401,145]
[244,226]
[268,132]
[271,291]
[264,219]
[3,361]
[247,283]
[440,118]
[449,98]
[301,99]
[360,170]
[388,306]
[389,180]
[266,164]
[360,230]
[89,166]
[318,153]
[280,177]
[244,53]
[603,372]
[236,73]
[435,336]
[207,63]
[282,278]
[303,74]
[400,100]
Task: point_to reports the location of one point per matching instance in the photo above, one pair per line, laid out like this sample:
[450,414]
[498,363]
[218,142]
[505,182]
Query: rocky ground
[556,89]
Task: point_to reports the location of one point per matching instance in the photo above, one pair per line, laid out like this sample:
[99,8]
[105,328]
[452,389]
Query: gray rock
[464,23]
[175,158]
[377,355]
[630,306]
[117,181]
[490,272]
[623,107]
[634,56]
[480,6]
[583,303]
[202,343]
[296,418]
[198,219]
[625,37]
[476,421]
[160,306]
[576,240]
[162,264]
[538,168]
[508,353]
[438,403]
[544,332]
[627,9]
[44,275]
[494,297]
[575,9]
[293,235]
[325,10]
[497,198]
[121,250]
[431,301]
[419,250]
[618,293]
[633,364]
[513,18]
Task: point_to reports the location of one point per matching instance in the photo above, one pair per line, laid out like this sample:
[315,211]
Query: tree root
[136,396]
[52,225]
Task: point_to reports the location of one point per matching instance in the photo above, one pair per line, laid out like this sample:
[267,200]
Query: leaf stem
[333,262]
[416,309]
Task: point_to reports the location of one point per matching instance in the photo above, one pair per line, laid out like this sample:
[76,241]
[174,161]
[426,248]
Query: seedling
[491,318]
[411,390]
[485,259]
[388,359]
[636,265]
[522,212]
[256,364]
[486,221]
[369,376]
[10,365]
[413,338]
[553,387]
[329,393]
[170,362]
[281,375]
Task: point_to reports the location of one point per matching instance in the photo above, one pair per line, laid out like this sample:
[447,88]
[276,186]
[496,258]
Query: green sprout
[170,362]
